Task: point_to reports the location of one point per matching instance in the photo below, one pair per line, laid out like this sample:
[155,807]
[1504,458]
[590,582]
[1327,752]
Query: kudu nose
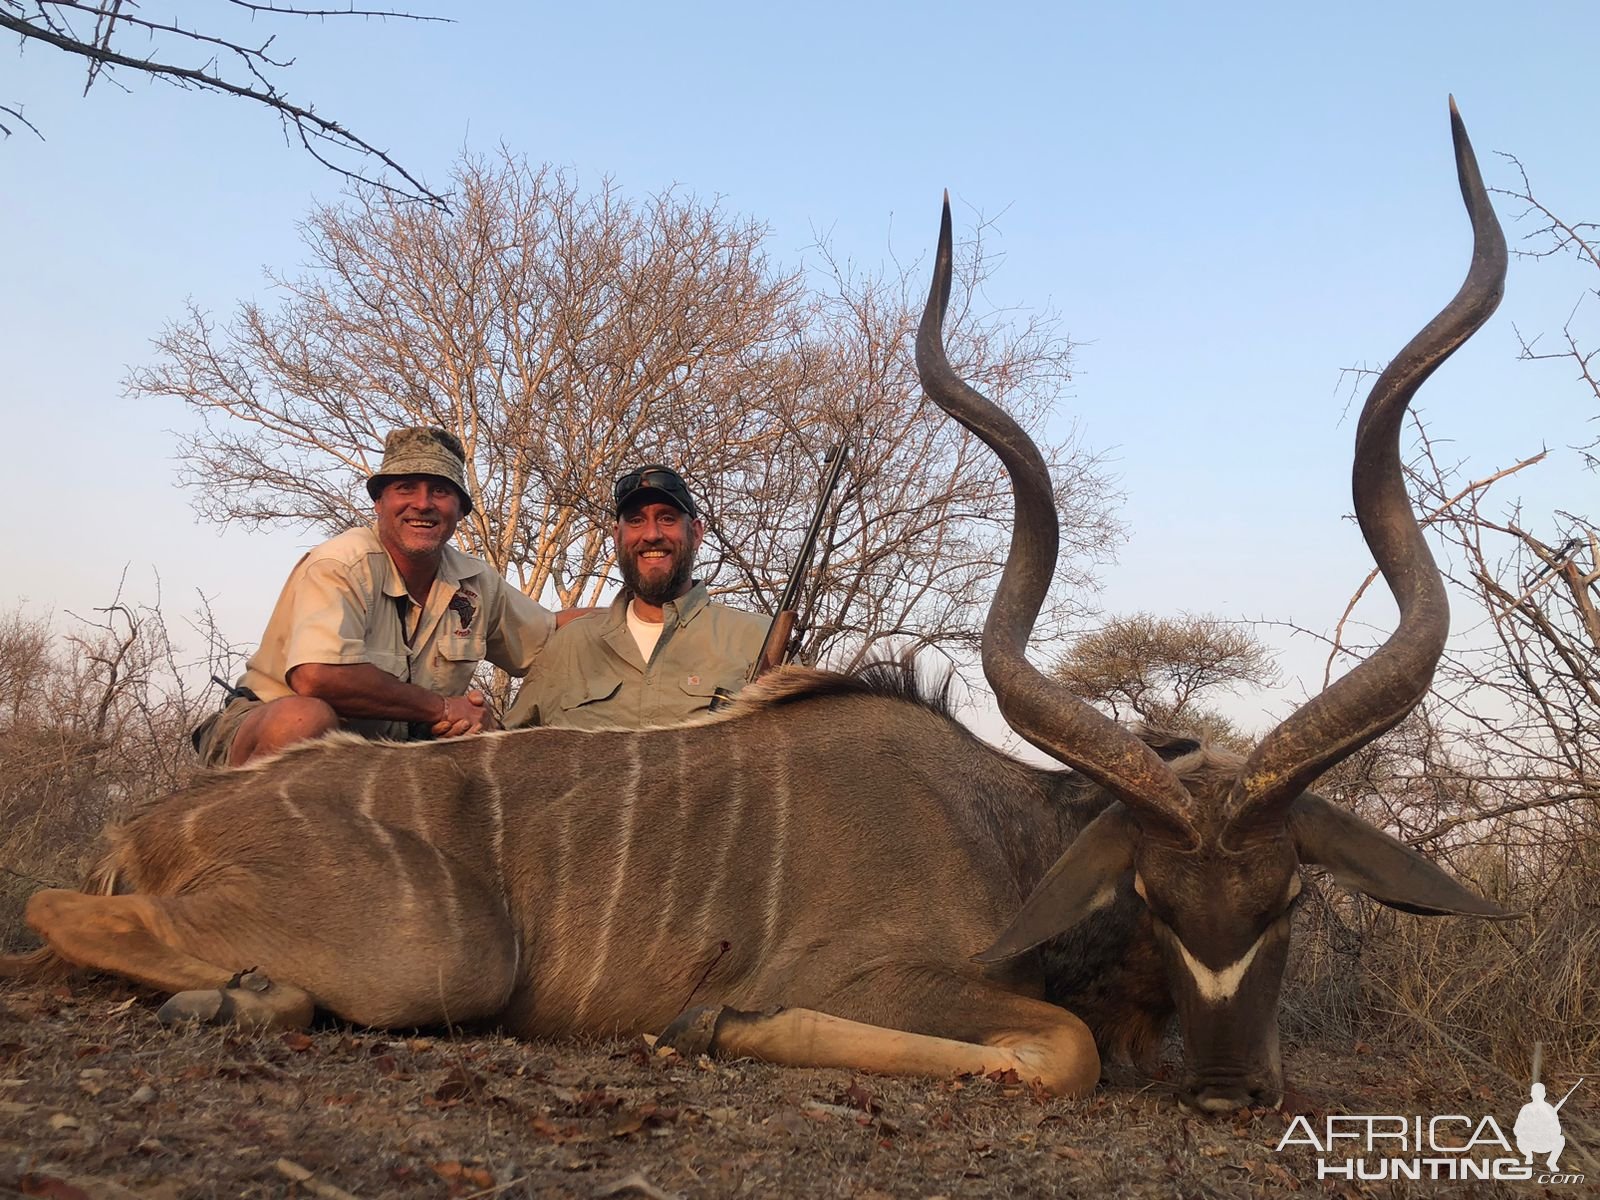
[1216,1099]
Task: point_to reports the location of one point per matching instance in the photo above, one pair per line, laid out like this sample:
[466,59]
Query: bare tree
[565,335]
[209,54]
[1159,670]
[93,719]
[908,556]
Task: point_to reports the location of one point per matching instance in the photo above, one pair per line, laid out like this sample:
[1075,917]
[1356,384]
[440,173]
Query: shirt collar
[454,568]
[685,608]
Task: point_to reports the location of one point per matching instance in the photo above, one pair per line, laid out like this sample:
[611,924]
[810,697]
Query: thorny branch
[1550,237]
[1437,512]
[50,22]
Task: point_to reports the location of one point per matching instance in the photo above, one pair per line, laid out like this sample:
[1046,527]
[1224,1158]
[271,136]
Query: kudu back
[833,873]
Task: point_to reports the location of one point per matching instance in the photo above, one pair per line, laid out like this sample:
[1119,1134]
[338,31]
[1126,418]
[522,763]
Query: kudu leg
[384,973]
[133,937]
[1037,1040]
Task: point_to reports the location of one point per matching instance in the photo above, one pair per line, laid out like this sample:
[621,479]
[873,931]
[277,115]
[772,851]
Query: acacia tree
[1160,670]
[566,335]
[213,54]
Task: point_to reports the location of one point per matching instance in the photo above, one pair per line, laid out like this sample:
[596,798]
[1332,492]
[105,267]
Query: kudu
[815,870]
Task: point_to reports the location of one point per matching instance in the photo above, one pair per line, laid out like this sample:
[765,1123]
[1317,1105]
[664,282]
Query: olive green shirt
[345,602]
[591,675]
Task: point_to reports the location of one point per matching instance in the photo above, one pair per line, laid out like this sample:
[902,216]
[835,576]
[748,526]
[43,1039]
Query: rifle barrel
[834,461]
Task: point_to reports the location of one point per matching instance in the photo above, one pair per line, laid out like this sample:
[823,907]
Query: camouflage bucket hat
[422,450]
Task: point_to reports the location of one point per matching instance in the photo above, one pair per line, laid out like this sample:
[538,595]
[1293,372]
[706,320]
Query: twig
[306,122]
[307,1180]
[635,1182]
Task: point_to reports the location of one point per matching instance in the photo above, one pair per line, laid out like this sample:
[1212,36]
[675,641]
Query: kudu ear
[1365,859]
[1083,879]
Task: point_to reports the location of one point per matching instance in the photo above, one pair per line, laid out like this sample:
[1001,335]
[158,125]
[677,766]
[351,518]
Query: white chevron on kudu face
[1214,986]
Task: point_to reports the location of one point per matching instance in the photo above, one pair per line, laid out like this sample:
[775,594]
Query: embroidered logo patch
[461,602]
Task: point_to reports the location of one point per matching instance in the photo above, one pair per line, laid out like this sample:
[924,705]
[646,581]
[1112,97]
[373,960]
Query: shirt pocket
[589,688]
[699,690]
[455,661]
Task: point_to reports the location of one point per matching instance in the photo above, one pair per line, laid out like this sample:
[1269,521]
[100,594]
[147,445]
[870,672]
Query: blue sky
[1226,204]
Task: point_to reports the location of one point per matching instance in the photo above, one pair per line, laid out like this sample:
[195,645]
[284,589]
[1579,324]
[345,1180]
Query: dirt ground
[98,1100]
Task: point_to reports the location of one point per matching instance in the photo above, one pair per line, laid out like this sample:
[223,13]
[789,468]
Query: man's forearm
[362,691]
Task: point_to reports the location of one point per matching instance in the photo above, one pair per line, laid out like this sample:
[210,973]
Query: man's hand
[464,715]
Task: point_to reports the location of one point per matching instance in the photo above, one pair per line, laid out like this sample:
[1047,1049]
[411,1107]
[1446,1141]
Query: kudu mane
[900,678]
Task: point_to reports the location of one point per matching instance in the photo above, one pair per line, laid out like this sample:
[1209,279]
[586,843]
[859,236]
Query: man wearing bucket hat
[379,630]
[661,652]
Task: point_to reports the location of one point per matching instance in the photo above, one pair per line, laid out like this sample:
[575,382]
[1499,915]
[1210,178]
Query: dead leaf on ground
[646,1117]
[857,1096]
[559,1134]
[790,1121]
[51,1187]
[459,1083]
[455,1170]
[389,1067]
[596,1102]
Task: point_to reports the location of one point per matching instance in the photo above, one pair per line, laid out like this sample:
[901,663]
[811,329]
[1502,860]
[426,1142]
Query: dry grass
[1486,991]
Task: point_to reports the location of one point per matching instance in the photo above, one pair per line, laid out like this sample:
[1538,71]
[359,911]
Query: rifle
[775,646]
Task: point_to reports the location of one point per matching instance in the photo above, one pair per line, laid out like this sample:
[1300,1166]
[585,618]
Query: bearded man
[661,652]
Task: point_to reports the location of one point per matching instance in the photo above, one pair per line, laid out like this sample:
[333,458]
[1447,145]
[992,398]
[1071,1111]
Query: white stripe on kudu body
[684,868]
[294,809]
[400,874]
[369,795]
[709,921]
[619,877]
[486,773]
[780,836]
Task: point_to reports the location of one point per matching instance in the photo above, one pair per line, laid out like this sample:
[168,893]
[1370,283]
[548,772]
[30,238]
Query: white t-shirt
[645,633]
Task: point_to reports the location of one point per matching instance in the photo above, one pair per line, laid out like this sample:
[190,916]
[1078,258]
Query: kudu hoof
[241,1002]
[692,1033]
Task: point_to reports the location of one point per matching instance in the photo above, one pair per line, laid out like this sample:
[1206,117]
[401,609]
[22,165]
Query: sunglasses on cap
[663,481]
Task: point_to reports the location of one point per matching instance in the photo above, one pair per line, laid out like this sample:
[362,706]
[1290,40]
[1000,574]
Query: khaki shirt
[591,675]
[343,603]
